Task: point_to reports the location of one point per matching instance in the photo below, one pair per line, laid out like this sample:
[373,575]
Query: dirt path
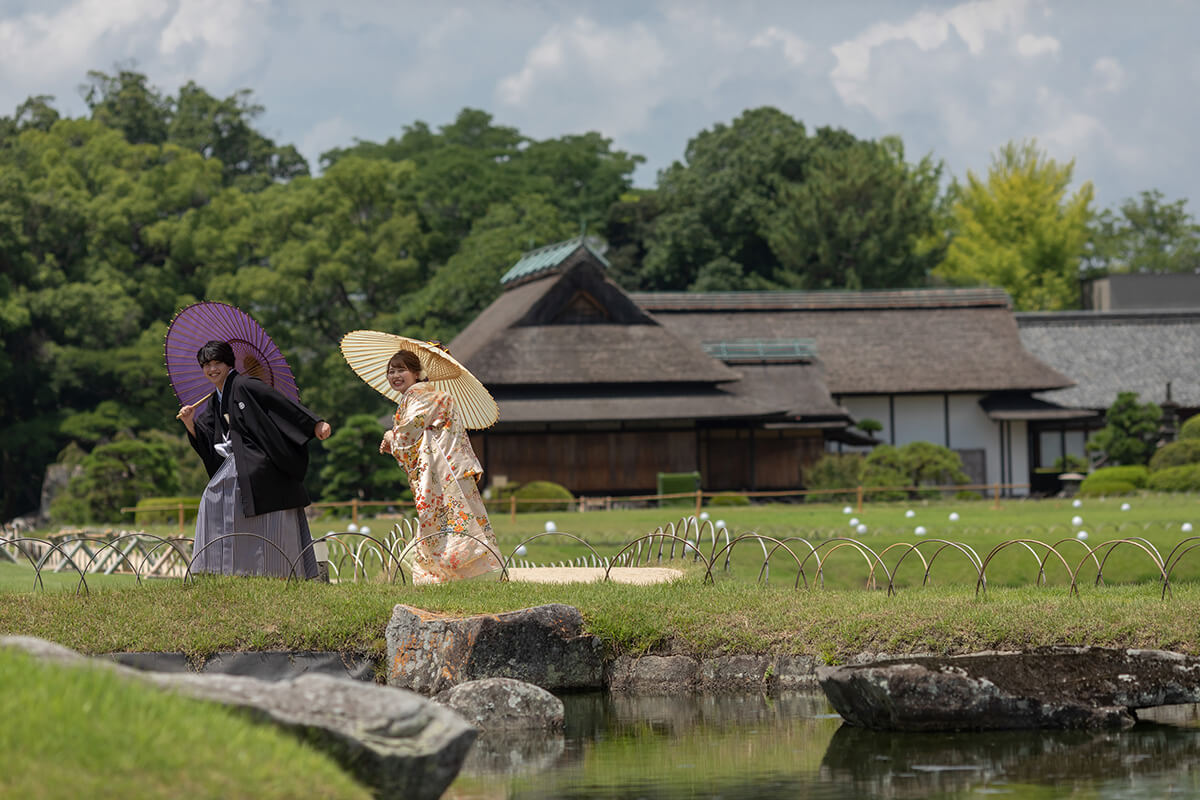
[638,575]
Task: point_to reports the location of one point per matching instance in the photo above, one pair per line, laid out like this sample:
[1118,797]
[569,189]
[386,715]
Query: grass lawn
[76,732]
[737,614]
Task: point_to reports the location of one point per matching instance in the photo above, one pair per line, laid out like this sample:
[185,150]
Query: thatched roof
[875,342]
[1107,352]
[578,327]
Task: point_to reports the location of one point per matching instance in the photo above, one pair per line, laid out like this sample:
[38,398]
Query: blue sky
[1112,84]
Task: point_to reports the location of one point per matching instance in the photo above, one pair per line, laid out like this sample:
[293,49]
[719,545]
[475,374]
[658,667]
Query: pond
[760,748]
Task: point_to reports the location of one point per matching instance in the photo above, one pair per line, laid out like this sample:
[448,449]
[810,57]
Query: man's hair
[216,351]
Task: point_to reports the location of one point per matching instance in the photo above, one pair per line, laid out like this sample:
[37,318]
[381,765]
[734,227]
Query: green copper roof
[548,257]
[762,349]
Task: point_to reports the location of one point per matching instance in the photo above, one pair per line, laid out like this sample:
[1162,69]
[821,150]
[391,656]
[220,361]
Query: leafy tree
[354,467]
[1146,235]
[116,475]
[914,464]
[127,103]
[1019,230]
[1130,431]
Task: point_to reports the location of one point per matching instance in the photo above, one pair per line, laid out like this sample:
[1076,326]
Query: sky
[1112,84]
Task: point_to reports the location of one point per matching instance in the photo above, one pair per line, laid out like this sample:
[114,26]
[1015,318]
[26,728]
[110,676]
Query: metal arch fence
[358,556]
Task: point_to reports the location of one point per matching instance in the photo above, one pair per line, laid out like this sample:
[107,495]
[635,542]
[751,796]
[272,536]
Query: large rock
[397,742]
[497,704]
[1054,687]
[545,646]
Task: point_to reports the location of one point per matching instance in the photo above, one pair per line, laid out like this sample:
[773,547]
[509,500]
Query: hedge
[1185,451]
[728,499]
[1106,488]
[190,506]
[1184,478]
[1190,428]
[1134,474]
[556,497]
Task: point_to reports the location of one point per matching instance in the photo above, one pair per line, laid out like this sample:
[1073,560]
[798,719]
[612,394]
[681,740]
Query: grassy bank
[75,732]
[729,617]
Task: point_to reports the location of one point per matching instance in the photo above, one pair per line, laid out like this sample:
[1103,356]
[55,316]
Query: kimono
[430,443]
[254,447]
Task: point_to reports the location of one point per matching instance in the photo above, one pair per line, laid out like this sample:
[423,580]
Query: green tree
[1130,431]
[1019,230]
[354,467]
[116,475]
[1147,234]
[913,464]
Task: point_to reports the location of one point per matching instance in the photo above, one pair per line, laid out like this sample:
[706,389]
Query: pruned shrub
[1106,488]
[728,499]
[1134,474]
[167,516]
[1190,429]
[834,471]
[1184,478]
[543,496]
[1175,454]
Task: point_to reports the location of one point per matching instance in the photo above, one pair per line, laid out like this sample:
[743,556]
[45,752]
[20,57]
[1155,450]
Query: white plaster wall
[920,418]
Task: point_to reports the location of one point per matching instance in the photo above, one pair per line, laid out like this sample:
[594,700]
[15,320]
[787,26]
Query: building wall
[926,417]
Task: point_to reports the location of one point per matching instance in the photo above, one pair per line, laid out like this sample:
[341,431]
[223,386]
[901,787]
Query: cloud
[794,48]
[1032,46]
[210,41]
[607,76]
[323,136]
[1110,74]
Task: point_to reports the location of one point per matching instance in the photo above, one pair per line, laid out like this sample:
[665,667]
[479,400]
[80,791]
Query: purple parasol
[254,352]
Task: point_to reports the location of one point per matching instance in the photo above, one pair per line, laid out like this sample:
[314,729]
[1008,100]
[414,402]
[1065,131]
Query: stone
[544,645]
[499,704]
[653,674]
[743,673]
[397,742]
[1053,687]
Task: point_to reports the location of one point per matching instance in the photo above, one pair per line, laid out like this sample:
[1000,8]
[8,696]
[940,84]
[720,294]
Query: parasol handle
[193,405]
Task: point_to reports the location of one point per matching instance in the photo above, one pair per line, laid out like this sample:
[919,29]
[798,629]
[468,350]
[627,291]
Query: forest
[113,221]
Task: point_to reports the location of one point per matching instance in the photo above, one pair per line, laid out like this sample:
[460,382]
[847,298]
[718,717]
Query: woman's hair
[216,351]
[409,361]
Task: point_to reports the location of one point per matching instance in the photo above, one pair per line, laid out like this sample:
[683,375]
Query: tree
[354,467]
[760,204]
[1018,230]
[1130,431]
[1146,235]
[125,102]
[117,475]
[913,464]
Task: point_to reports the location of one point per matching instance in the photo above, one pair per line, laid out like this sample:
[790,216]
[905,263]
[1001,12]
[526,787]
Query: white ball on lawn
[329,533]
[853,521]
[551,527]
[1081,535]
[1125,506]
[910,513]
[703,516]
[1186,527]
[861,528]
[352,527]
[364,529]
[720,523]
[1077,503]
[919,530]
[520,551]
[1076,520]
[954,516]
[846,509]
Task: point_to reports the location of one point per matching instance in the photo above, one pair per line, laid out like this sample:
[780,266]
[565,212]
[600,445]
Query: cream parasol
[368,353]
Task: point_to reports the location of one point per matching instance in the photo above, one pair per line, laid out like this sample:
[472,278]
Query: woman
[431,444]
[253,442]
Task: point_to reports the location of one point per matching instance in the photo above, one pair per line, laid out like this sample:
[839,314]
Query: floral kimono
[431,444]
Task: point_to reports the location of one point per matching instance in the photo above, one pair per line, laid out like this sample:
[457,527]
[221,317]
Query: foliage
[870,426]
[677,483]
[834,471]
[1174,454]
[1070,463]
[913,464]
[1182,478]
[1190,429]
[543,496]
[1018,230]
[354,467]
[1130,431]
[728,499]
[760,204]
[1135,475]
[1106,488]
[116,475]
[1147,235]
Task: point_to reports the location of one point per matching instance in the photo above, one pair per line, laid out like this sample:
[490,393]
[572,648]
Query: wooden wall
[628,462]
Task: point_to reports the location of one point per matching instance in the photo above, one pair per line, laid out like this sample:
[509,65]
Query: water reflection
[748,746]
